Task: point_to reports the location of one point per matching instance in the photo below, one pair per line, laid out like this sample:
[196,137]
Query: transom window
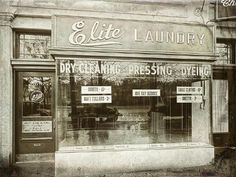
[32,45]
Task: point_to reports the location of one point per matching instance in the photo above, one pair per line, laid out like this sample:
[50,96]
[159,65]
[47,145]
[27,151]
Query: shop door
[232,106]
[224,106]
[34,117]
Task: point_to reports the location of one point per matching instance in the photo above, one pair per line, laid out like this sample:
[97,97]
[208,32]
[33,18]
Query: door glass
[37,96]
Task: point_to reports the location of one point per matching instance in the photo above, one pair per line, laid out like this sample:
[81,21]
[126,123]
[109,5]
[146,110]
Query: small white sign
[88,99]
[189,99]
[95,89]
[145,92]
[36,126]
[189,90]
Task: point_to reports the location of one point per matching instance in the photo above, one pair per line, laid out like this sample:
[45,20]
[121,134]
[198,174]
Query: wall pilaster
[6,87]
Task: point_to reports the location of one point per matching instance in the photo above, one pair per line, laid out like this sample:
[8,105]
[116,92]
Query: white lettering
[149,37]
[201,38]
[227,3]
[98,35]
[136,36]
[169,37]
[190,38]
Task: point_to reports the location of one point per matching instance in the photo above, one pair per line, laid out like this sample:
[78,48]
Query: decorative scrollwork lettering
[99,35]
[228,3]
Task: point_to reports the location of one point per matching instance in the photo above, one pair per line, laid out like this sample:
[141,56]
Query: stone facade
[6,90]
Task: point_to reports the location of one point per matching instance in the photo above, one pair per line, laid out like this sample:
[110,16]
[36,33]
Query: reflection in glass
[127,119]
[37,96]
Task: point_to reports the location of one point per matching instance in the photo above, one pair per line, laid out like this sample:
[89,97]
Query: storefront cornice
[73,53]
[33,64]
[133,17]
[126,7]
[48,13]
[224,67]
[33,15]
[6,18]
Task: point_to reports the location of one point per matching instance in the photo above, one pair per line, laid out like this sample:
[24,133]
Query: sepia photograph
[117,88]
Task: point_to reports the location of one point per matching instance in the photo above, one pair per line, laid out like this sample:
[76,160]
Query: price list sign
[189,94]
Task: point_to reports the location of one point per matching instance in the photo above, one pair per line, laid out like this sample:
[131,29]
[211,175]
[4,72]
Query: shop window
[121,102]
[32,45]
[226,51]
[220,106]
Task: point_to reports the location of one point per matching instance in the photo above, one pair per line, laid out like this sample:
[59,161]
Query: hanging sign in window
[88,99]
[95,89]
[189,90]
[189,99]
[145,92]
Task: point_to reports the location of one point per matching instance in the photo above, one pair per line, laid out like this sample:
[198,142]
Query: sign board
[226,9]
[189,99]
[36,126]
[90,99]
[132,35]
[145,92]
[189,90]
[95,89]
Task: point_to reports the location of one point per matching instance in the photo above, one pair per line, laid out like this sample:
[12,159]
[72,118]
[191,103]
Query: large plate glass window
[110,102]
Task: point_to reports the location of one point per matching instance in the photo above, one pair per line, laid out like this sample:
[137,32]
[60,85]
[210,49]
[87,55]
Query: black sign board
[226,9]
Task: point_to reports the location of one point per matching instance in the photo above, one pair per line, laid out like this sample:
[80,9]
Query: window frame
[61,134]
[231,42]
[16,42]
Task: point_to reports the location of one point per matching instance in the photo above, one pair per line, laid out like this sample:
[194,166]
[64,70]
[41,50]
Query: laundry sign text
[118,34]
[105,33]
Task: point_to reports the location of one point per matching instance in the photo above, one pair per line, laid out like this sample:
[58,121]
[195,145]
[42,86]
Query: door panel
[232,106]
[34,112]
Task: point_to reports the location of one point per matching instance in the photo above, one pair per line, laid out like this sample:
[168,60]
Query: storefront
[130,91]
[110,91]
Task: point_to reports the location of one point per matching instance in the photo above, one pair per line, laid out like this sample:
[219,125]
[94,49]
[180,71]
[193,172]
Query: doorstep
[35,157]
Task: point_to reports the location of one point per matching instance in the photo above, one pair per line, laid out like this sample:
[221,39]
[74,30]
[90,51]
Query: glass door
[34,120]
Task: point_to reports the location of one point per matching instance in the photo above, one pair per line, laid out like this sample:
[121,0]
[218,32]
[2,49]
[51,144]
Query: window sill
[135,147]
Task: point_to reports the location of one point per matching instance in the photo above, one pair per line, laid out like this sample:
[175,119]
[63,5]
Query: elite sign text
[133,35]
